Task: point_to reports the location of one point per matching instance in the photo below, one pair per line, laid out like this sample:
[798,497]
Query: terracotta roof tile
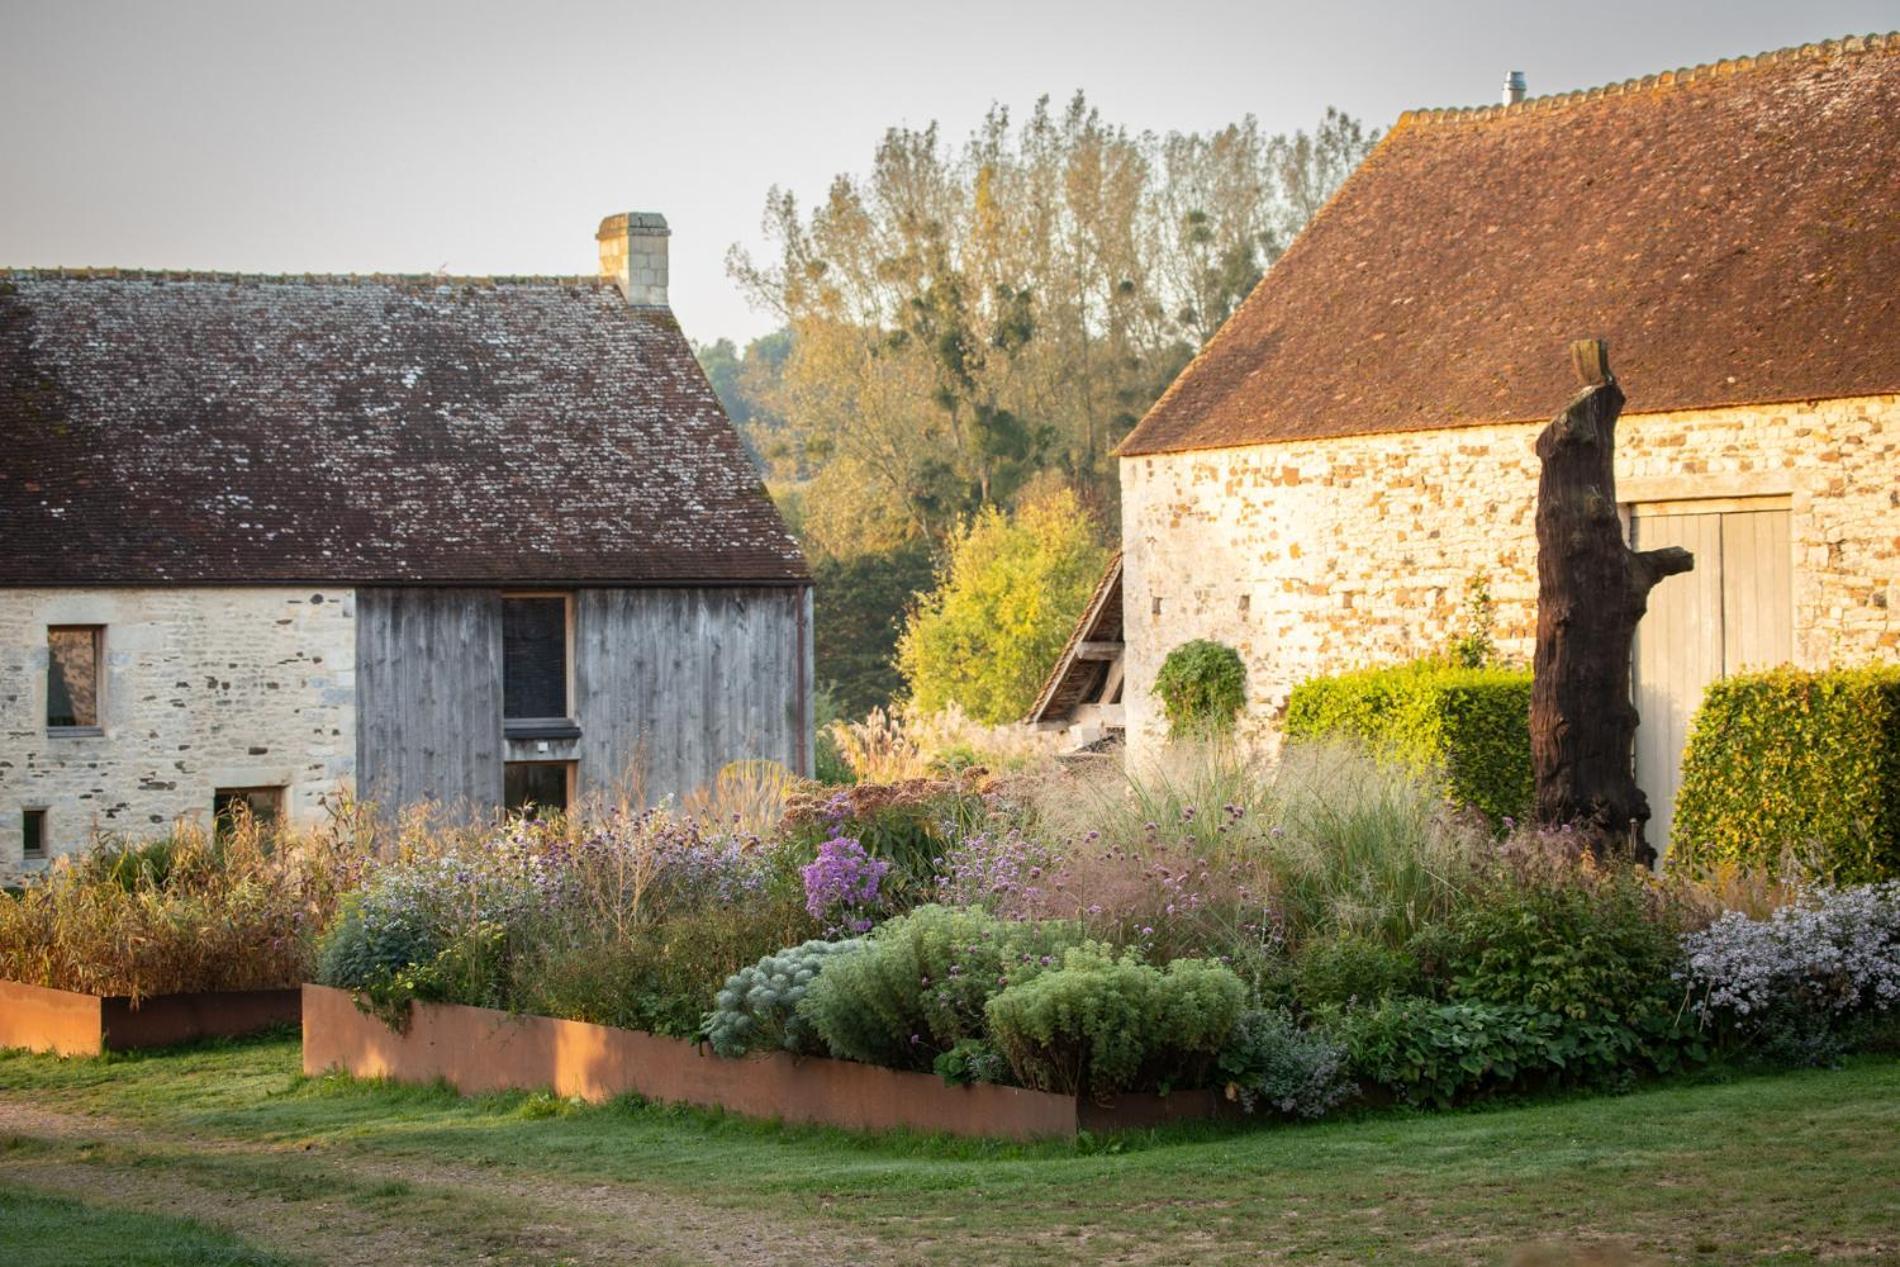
[1733,230]
[209,428]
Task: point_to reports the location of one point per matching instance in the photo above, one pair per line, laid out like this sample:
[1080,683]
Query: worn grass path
[233,1155]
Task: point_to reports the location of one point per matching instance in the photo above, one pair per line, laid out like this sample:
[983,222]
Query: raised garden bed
[70,1024]
[478,1050]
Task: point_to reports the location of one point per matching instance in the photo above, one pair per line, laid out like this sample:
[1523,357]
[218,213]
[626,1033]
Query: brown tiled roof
[1733,230]
[1072,680]
[203,428]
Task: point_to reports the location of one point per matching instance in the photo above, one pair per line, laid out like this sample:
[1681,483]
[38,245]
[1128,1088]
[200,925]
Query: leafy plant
[919,986]
[1335,972]
[1467,727]
[1102,1023]
[758,1007]
[1793,764]
[1008,594]
[1270,1062]
[1202,686]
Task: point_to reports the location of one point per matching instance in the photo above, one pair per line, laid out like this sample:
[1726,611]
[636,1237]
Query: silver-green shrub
[757,1010]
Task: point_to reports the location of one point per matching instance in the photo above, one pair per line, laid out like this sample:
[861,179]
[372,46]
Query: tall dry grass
[902,743]
[184,913]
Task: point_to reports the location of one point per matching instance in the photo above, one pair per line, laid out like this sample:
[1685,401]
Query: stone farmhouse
[475,541]
[1322,482]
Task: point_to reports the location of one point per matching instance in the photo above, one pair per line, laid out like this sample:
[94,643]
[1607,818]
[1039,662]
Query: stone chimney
[1514,88]
[633,256]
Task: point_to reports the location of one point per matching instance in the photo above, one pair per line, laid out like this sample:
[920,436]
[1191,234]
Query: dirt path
[344,1208]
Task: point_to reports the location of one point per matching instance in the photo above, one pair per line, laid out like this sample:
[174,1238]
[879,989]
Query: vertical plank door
[1679,651]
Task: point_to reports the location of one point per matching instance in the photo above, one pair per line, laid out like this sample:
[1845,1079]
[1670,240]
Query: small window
[72,676]
[33,834]
[534,656]
[231,806]
[534,788]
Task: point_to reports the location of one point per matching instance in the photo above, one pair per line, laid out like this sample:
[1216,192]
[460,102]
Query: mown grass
[1791,1168]
[48,1231]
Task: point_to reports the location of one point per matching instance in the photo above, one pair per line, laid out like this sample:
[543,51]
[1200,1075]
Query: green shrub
[1794,764]
[919,985]
[1099,1024]
[1472,726]
[1438,1054]
[1202,686]
[758,1007]
[1589,946]
[1269,1061]
[1333,972]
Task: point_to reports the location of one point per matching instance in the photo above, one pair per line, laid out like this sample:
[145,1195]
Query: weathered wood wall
[428,673]
[672,684]
[669,685]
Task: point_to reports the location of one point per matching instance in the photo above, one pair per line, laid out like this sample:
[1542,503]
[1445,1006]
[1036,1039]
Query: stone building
[467,540]
[1322,482]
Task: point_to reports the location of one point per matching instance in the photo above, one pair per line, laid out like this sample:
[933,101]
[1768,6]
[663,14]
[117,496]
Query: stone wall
[204,688]
[1314,556]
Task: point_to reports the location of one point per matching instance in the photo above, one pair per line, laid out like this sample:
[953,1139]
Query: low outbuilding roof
[1732,230]
[199,428]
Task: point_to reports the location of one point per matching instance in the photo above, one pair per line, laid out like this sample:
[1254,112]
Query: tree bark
[1591,591]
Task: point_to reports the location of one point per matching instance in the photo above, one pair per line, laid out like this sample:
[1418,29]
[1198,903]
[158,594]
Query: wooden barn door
[1733,613]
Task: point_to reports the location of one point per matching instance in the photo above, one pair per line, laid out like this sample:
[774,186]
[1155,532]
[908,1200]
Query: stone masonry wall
[1315,556]
[204,688]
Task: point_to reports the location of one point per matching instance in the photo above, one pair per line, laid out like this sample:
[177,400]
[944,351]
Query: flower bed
[66,1023]
[480,1050]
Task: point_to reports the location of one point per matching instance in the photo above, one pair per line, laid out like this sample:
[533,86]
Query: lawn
[230,1155]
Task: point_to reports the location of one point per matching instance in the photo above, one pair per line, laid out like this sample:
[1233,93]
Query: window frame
[97,726]
[280,793]
[571,791]
[30,813]
[557,727]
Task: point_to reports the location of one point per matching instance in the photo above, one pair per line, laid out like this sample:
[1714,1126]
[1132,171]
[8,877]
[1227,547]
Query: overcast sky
[490,138]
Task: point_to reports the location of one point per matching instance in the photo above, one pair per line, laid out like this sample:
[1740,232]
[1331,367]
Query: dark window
[536,787]
[534,657]
[72,675]
[232,805]
[33,834]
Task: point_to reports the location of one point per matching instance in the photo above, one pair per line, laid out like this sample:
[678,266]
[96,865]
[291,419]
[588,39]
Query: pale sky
[486,138]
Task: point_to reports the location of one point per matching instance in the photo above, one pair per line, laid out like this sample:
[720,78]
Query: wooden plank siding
[669,685]
[428,665]
[672,684]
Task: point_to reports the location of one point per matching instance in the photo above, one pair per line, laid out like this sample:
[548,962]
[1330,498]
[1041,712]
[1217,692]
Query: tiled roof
[1733,230]
[208,428]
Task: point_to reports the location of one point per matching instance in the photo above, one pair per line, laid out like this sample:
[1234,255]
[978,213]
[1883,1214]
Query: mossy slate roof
[1733,230]
[198,428]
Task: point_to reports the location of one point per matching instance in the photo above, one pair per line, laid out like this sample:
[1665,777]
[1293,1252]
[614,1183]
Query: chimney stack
[1514,88]
[633,256]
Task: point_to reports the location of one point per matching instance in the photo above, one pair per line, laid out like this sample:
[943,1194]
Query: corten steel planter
[478,1049]
[70,1024]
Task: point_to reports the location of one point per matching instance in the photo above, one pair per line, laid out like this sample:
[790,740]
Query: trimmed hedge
[1474,725]
[1787,761]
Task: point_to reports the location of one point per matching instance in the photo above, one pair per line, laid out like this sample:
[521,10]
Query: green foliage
[1099,1024]
[1269,1061]
[828,764]
[1788,764]
[1586,946]
[1476,646]
[1334,972]
[1010,591]
[858,603]
[654,977]
[1202,686]
[1472,726]
[919,986]
[757,1010]
[970,1062]
[1438,1054]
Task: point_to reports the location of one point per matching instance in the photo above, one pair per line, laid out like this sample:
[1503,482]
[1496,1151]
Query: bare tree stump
[1591,591]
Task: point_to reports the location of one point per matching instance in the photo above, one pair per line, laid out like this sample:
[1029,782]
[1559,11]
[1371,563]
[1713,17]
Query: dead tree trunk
[1591,591]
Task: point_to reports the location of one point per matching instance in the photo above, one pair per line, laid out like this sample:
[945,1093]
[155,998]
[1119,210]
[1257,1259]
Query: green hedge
[1787,761]
[1473,725]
